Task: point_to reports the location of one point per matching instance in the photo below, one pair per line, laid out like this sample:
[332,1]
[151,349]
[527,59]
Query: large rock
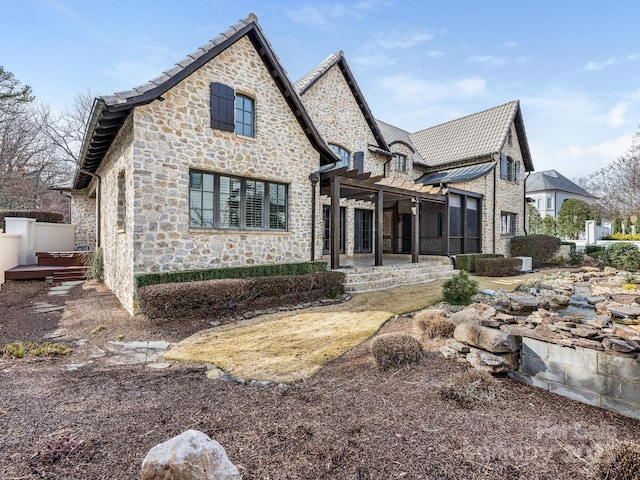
[490,339]
[474,313]
[190,455]
[498,363]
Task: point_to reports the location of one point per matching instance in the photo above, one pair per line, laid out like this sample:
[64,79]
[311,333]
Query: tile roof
[474,136]
[314,75]
[552,180]
[396,135]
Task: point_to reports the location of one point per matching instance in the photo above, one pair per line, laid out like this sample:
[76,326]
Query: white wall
[54,237]
[9,253]
[40,237]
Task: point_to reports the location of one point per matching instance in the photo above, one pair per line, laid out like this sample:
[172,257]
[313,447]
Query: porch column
[415,231]
[379,227]
[445,227]
[335,223]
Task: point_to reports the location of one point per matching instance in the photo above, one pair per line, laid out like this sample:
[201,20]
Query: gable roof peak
[109,112]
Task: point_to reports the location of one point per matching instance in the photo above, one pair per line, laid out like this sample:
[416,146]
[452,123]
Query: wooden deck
[60,266]
[41,272]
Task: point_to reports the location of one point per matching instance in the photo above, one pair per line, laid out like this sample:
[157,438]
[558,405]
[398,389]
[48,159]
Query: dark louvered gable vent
[222,107]
[358,161]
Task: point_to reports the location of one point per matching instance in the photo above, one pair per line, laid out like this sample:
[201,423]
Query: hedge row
[39,215]
[541,248]
[146,279]
[225,297]
[467,261]
[498,267]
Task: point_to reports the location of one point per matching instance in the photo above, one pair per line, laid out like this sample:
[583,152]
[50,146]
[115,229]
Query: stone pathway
[146,353]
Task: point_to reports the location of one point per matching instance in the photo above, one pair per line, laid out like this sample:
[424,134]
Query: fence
[9,253]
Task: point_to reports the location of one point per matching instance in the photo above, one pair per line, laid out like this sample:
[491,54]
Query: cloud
[325,14]
[410,90]
[374,60]
[434,53]
[616,116]
[595,66]
[510,45]
[495,61]
[403,40]
[487,60]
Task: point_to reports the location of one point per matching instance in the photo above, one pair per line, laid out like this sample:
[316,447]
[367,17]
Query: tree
[571,218]
[28,160]
[534,220]
[547,226]
[617,225]
[618,184]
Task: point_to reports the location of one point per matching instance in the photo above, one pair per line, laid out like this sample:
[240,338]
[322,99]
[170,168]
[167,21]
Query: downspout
[493,236]
[524,205]
[98,203]
[314,178]
[384,167]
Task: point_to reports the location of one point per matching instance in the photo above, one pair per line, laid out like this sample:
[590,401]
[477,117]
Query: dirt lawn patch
[349,421]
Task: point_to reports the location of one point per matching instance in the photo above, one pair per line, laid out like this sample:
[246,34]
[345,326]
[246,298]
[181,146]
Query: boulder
[490,339]
[506,362]
[625,311]
[457,346]
[190,455]
[471,314]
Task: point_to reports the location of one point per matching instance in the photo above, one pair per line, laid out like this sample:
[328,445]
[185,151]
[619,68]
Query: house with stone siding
[222,161]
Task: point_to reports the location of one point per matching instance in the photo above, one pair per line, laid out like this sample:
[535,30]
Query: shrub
[146,279]
[589,249]
[395,350]
[498,267]
[623,256]
[468,261]
[619,461]
[95,262]
[224,297]
[472,387]
[623,237]
[459,289]
[39,215]
[540,248]
[46,349]
[433,324]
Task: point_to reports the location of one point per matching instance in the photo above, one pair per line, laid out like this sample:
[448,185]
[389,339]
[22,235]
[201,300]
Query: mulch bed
[350,421]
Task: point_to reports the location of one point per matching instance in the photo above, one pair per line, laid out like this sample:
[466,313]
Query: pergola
[343,183]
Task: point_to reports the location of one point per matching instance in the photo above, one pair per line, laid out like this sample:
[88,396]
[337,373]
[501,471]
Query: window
[549,206]
[342,153]
[509,169]
[326,243]
[538,203]
[231,112]
[508,224]
[244,116]
[400,162]
[225,202]
[122,202]
[362,231]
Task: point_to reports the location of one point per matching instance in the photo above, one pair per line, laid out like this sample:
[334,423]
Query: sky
[574,65]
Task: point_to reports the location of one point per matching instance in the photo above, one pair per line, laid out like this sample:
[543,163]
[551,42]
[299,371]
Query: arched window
[244,116]
[342,153]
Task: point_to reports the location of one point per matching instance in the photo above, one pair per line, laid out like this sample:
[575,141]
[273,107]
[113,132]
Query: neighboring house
[222,162]
[549,189]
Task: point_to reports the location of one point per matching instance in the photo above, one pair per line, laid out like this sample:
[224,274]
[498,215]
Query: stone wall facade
[158,146]
[586,375]
[337,116]
[83,216]
[117,234]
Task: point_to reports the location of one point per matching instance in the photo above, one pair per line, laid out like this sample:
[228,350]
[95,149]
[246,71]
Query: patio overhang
[341,182]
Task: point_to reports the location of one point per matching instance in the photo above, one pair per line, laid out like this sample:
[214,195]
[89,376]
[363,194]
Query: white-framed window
[549,202]
[219,201]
